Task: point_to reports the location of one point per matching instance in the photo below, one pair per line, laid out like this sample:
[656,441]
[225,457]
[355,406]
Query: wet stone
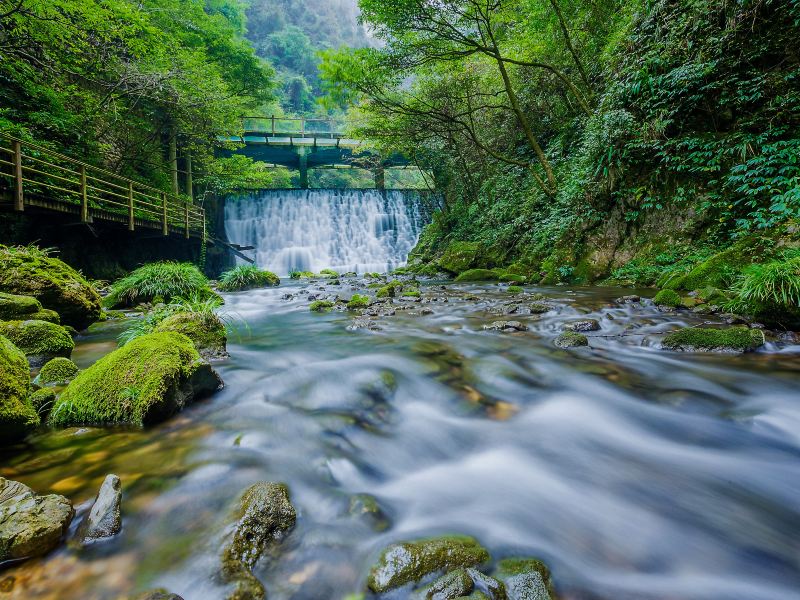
[104,519]
[526,586]
[368,324]
[583,325]
[631,299]
[366,507]
[489,586]
[571,339]
[159,594]
[506,326]
[455,584]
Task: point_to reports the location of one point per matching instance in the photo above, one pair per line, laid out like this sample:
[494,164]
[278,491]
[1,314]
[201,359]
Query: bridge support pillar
[303,168]
[380,177]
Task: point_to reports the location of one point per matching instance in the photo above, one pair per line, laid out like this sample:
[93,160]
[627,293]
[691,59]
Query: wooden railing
[291,126]
[39,177]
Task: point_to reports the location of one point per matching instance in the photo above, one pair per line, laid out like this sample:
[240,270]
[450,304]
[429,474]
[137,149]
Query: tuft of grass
[165,279]
[776,282]
[202,306]
[246,277]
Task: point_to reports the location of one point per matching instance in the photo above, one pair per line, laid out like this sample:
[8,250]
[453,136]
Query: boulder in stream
[30,525]
[264,517]
[571,339]
[705,339]
[205,329]
[525,579]
[104,519]
[506,326]
[146,381]
[18,417]
[407,562]
[583,325]
[58,371]
[39,340]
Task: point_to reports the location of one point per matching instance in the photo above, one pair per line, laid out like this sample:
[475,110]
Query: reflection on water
[633,472]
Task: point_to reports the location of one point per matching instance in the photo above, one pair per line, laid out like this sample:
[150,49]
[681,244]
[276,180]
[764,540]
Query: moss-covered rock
[732,339]
[17,415]
[14,307]
[571,339]
[525,579]
[42,401]
[358,301]
[390,289]
[413,293]
[477,275]
[411,561]
[455,584]
[59,287]
[668,298]
[459,256]
[718,271]
[59,371]
[321,306]
[205,329]
[514,289]
[512,278]
[367,507]
[583,325]
[146,381]
[330,273]
[46,314]
[265,516]
[39,340]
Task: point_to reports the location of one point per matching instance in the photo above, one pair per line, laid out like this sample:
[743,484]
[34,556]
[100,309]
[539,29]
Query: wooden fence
[39,177]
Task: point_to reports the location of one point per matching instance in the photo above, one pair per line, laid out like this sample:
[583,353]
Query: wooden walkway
[37,177]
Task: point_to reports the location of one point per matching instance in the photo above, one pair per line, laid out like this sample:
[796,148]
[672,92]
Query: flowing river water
[633,472]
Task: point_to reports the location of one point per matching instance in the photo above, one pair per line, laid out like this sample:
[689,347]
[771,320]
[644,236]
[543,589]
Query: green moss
[512,278]
[45,314]
[13,306]
[29,271]
[571,339]
[42,401]
[514,289]
[246,277]
[459,256]
[732,339]
[145,381]
[205,329]
[511,567]
[390,289]
[412,294]
[301,274]
[358,301]
[38,338]
[669,298]
[321,306]
[329,273]
[58,371]
[411,561]
[477,275]
[718,271]
[17,415]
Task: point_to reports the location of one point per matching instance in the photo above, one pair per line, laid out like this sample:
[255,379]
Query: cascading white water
[309,230]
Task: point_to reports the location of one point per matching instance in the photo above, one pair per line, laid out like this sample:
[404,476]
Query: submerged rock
[730,340]
[631,299]
[146,381]
[407,562]
[160,594]
[571,339]
[506,326]
[52,282]
[583,325]
[18,417]
[104,519]
[41,341]
[366,507]
[360,323]
[265,517]
[30,525]
[487,586]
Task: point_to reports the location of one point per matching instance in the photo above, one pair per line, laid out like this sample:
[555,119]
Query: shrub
[246,277]
[668,298]
[166,279]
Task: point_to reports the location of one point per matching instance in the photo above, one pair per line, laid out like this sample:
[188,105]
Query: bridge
[302,144]
[36,178]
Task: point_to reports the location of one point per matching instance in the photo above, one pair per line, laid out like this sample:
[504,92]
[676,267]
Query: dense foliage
[580,138]
[111,81]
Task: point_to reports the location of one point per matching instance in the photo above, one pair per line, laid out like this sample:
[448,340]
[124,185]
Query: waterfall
[309,230]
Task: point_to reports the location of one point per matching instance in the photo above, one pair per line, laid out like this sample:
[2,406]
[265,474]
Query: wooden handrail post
[164,228]
[131,224]
[189,176]
[84,197]
[302,126]
[173,160]
[273,125]
[19,199]
[186,219]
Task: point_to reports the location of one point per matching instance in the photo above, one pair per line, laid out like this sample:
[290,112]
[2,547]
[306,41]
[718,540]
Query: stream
[633,472]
